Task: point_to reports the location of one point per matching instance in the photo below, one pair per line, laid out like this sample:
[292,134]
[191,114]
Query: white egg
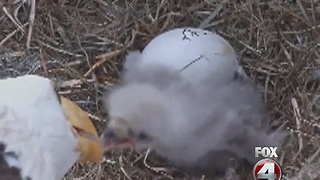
[195,52]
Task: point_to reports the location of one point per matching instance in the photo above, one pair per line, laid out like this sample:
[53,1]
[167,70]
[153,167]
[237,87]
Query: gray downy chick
[201,128]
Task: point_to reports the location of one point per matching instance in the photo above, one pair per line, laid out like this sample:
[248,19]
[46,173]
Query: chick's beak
[89,142]
[117,135]
[113,140]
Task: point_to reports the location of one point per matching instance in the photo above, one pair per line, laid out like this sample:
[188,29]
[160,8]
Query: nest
[81,45]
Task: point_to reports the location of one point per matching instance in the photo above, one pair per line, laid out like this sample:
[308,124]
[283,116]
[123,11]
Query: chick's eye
[130,132]
[109,134]
[142,136]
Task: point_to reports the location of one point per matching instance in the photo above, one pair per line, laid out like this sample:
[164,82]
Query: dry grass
[81,45]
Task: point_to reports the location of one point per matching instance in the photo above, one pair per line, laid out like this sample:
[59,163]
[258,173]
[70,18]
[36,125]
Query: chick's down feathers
[196,126]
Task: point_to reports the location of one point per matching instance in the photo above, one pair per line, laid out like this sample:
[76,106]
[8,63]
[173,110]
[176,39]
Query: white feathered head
[46,132]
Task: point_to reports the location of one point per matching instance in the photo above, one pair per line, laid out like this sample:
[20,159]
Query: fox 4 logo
[266,151]
[267,169]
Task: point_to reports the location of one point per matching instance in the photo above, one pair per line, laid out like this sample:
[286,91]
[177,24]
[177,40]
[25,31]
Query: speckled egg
[193,51]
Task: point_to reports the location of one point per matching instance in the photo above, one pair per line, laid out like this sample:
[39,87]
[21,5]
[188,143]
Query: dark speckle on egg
[185,37]
[189,33]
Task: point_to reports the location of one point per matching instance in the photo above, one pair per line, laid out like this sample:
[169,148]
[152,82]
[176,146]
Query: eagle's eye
[58,96]
[56,91]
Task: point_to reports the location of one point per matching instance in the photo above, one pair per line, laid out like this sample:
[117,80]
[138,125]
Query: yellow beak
[90,147]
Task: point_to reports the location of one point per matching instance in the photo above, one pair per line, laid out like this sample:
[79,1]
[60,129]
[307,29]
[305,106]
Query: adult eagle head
[41,133]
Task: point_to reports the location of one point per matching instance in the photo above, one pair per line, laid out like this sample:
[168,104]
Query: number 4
[267,167]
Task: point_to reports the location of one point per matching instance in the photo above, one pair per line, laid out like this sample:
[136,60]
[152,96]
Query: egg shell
[193,51]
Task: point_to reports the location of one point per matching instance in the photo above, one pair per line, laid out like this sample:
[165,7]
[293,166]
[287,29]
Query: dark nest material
[80,44]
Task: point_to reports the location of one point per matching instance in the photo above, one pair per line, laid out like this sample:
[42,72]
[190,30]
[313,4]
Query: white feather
[33,125]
